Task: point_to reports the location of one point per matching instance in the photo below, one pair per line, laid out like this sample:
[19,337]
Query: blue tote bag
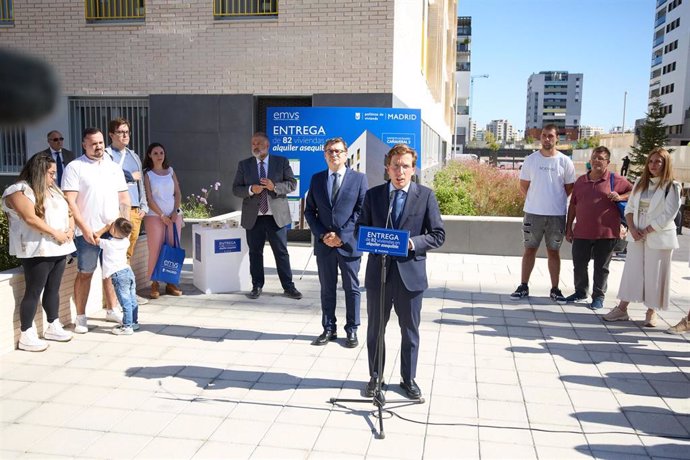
[170,260]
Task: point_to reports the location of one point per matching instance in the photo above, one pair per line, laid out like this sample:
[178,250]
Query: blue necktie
[263,196]
[58,161]
[398,205]
[335,187]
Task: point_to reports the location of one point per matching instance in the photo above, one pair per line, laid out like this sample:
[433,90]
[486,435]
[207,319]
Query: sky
[609,41]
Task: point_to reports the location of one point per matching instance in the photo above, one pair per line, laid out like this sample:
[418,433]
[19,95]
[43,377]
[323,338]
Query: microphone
[28,88]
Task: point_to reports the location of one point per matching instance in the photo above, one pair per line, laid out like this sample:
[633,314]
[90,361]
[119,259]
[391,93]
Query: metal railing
[6,12]
[114,10]
[86,112]
[244,8]
[12,149]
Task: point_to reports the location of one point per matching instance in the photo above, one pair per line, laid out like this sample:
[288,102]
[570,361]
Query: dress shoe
[371,387]
[256,292]
[293,293]
[351,341]
[171,289]
[324,338]
[411,389]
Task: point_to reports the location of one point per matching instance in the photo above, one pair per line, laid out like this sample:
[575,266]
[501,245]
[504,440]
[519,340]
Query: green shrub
[6,260]
[473,189]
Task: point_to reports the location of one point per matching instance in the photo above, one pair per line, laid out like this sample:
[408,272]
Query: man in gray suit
[61,155]
[263,183]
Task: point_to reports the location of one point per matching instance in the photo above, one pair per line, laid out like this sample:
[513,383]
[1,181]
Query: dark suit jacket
[67,155]
[280,172]
[421,216]
[348,205]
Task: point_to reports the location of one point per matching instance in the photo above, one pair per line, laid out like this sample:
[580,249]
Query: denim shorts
[87,255]
[536,227]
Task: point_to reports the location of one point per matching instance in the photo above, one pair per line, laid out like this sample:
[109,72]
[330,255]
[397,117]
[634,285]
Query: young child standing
[116,268]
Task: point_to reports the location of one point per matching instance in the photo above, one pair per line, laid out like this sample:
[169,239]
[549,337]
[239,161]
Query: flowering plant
[197,206]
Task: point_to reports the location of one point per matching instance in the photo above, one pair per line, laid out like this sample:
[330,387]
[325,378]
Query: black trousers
[601,252]
[41,274]
[264,229]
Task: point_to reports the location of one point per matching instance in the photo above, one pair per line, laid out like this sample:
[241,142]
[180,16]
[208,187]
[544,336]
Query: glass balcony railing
[660,20]
[660,2]
[656,61]
[658,41]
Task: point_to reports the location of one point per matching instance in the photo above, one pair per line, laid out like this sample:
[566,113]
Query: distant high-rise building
[670,76]
[473,130]
[554,97]
[502,130]
[462,80]
[589,131]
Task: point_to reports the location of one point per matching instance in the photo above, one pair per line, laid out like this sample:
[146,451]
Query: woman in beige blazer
[652,207]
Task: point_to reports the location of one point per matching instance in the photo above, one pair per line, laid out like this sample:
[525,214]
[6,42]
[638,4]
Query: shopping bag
[170,260]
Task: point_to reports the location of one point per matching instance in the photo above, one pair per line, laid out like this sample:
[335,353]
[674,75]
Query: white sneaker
[113,316]
[29,341]
[142,300]
[54,331]
[80,325]
[122,330]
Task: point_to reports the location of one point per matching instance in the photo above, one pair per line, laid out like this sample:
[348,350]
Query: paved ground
[220,376]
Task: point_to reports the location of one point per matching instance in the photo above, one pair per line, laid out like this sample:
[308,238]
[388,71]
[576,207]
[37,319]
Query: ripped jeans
[536,227]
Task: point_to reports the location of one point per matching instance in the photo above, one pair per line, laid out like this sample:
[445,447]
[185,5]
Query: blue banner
[299,133]
[383,241]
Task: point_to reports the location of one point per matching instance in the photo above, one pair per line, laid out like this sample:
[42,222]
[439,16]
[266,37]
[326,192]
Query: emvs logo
[286,115]
[171,264]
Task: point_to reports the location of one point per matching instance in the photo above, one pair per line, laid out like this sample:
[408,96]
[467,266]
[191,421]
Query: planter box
[12,287]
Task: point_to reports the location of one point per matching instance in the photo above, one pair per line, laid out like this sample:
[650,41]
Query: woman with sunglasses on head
[652,207]
[41,236]
[164,198]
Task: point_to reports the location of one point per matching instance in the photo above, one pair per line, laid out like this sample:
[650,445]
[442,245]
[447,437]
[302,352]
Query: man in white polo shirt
[97,193]
[546,179]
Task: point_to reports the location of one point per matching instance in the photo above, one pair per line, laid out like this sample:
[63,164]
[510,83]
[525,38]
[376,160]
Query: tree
[652,135]
[494,146]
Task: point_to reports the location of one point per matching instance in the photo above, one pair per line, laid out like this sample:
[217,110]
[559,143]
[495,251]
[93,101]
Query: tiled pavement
[221,376]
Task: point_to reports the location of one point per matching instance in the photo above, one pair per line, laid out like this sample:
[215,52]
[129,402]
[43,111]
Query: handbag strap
[176,237]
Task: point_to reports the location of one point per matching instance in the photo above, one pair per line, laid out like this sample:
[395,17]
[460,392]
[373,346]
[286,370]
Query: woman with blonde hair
[41,236]
[650,212]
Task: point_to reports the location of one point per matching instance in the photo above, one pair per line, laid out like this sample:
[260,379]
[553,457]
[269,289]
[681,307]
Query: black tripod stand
[378,399]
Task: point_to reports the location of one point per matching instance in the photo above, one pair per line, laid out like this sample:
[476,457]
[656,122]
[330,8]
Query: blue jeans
[126,291]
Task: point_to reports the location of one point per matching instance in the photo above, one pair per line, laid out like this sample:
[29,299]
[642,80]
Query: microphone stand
[379,399]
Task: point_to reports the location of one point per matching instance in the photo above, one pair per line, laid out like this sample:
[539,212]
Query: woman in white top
[163,196]
[650,212]
[41,235]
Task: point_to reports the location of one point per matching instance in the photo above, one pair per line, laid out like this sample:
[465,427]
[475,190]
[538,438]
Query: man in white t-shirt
[97,194]
[546,179]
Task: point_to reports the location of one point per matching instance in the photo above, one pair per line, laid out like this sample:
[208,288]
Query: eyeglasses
[336,151]
[122,133]
[55,139]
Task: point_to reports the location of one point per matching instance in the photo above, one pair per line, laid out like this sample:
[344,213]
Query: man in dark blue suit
[333,205]
[405,205]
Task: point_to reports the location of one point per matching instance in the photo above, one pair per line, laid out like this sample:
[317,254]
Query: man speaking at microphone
[404,205]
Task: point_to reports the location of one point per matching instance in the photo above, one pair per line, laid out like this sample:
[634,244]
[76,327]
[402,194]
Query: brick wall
[310,47]
[12,291]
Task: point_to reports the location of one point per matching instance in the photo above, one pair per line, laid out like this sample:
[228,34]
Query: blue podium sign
[228,245]
[383,241]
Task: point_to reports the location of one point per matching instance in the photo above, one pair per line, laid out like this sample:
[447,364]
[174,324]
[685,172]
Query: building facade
[462,81]
[670,72]
[589,131]
[502,130]
[554,97]
[198,75]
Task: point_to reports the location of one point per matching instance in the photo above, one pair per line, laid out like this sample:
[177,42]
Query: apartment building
[670,72]
[198,75]
[462,80]
[554,97]
[502,130]
[589,131]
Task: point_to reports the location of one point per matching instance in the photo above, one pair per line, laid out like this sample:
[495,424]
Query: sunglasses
[55,139]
